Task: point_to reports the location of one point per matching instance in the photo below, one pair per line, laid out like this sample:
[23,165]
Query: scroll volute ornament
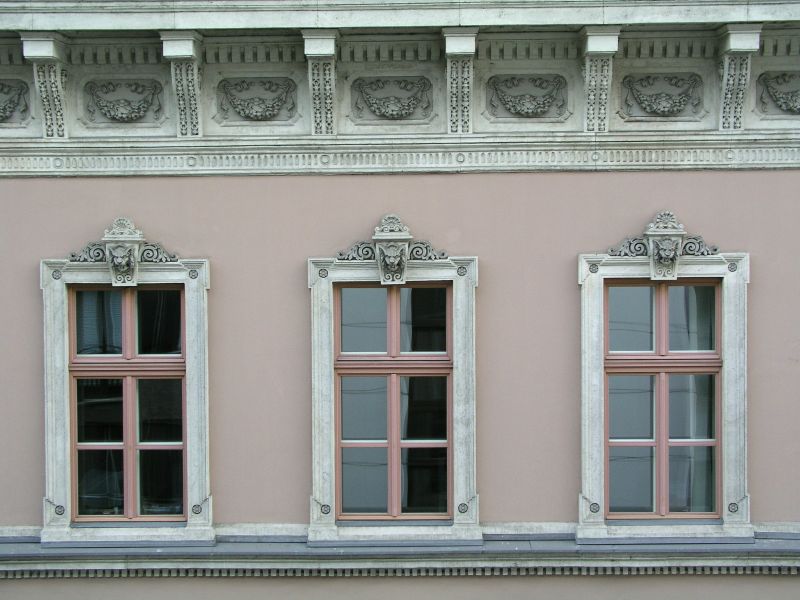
[123,247]
[392,239]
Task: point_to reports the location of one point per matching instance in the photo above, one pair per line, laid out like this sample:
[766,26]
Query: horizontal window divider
[128,368]
[393,369]
[423,443]
[690,443]
[709,367]
[159,445]
[99,445]
[631,442]
[364,444]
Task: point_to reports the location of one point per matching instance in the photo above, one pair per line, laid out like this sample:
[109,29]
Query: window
[662,377]
[393,392]
[126,404]
[127,372]
[393,371]
[663,401]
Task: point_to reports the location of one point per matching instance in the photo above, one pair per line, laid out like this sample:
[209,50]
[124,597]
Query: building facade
[500,298]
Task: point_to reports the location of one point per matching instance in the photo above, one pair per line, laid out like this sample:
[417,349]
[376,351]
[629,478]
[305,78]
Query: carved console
[739,44]
[460,52]
[320,52]
[182,49]
[601,44]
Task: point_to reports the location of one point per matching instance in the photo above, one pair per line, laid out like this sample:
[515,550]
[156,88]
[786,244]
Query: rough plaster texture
[510,588]
[527,230]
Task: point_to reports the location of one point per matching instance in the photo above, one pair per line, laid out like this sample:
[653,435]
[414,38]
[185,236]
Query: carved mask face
[666,251]
[121,259]
[392,257]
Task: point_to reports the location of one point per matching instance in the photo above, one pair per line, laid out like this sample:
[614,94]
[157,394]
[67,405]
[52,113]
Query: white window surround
[634,259]
[152,265]
[359,265]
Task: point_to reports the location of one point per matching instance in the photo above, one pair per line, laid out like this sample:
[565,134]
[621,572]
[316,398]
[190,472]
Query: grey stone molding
[778,93]
[391,98]
[14,100]
[363,154]
[665,241]
[392,246]
[663,96]
[257,99]
[123,101]
[51,79]
[123,247]
[527,97]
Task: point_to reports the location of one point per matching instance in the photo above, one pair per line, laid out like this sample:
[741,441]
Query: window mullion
[129,446]
[662,444]
[393,432]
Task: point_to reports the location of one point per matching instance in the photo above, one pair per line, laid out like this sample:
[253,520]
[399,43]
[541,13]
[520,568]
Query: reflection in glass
[630,479]
[691,406]
[364,480]
[98,321]
[99,406]
[161,482]
[630,318]
[423,408]
[423,318]
[100,482]
[160,413]
[159,321]
[364,408]
[691,317]
[691,479]
[631,400]
[424,476]
[363,320]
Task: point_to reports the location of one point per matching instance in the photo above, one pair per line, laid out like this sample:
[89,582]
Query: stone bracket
[182,49]
[600,45]
[320,52]
[460,50]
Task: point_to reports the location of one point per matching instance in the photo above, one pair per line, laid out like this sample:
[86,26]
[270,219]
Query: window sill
[661,532]
[381,533]
[128,534]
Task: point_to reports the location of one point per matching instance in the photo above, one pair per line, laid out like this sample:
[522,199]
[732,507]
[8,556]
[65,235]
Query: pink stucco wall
[526,229]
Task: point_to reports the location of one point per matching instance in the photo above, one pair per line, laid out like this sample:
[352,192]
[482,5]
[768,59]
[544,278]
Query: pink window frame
[660,363]
[129,366]
[394,364]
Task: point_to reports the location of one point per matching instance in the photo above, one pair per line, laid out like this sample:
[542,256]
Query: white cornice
[270,14]
[301,156]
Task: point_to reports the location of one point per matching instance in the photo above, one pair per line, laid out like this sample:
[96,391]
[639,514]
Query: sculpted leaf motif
[528,105]
[394,107]
[16,96]
[785,100]
[662,104]
[257,108]
[123,110]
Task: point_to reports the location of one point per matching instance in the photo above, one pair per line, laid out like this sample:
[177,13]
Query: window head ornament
[392,246]
[123,247]
[665,241]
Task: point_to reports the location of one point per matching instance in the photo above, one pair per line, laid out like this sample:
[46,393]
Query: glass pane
[423,408]
[630,318]
[159,321]
[630,479]
[98,321]
[423,319]
[691,479]
[691,406]
[160,411]
[363,320]
[161,482]
[631,400]
[99,403]
[364,480]
[364,408]
[424,473]
[691,317]
[100,482]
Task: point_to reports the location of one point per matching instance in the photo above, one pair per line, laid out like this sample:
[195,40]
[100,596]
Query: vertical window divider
[128,324]
[662,444]
[393,433]
[129,445]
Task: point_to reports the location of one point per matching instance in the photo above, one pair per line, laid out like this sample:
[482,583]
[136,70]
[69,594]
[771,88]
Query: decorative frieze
[391,98]
[123,247]
[14,101]
[123,101]
[679,45]
[779,93]
[258,51]
[663,96]
[392,246]
[140,52]
[389,50]
[665,241]
[500,47]
[527,96]
[256,99]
